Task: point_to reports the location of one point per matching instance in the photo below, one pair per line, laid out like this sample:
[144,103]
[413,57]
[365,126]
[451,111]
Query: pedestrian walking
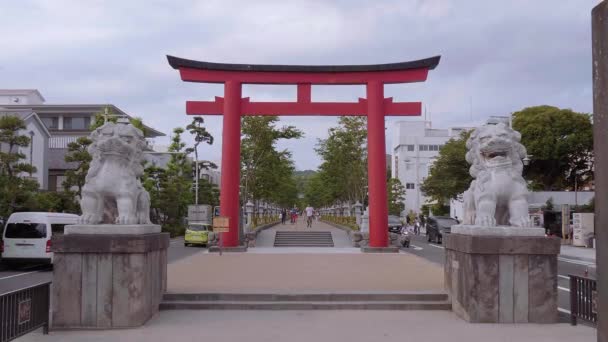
[294,215]
[283,215]
[309,213]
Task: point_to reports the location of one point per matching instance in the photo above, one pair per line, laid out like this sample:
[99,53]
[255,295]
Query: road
[435,253]
[21,277]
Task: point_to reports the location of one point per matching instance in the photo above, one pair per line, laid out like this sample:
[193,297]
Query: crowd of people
[309,213]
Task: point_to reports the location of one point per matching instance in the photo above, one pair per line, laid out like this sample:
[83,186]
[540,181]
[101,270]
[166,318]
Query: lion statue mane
[498,194]
[112,192]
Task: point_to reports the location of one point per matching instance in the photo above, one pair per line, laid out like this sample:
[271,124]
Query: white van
[27,236]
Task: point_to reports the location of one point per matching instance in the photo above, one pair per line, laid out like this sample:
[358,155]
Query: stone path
[304,326]
[266,237]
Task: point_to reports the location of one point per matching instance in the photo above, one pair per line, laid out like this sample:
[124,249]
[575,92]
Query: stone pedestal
[107,281]
[502,279]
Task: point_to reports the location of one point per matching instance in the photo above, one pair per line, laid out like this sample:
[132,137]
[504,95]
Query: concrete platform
[298,272]
[305,326]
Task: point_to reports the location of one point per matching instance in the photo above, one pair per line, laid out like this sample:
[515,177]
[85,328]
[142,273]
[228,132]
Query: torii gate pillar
[231,161]
[376,165]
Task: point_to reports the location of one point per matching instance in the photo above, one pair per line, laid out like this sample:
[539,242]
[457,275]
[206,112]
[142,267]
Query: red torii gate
[233,106]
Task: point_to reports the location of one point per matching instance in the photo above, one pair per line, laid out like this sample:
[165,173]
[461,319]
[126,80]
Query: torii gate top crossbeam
[403,72]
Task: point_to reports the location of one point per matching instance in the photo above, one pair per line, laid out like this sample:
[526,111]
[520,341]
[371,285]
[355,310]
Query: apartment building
[65,123]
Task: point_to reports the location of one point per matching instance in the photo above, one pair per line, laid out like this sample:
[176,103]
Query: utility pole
[599,37]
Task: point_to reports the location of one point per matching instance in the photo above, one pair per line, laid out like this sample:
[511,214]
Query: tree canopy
[343,173]
[267,174]
[16,191]
[560,145]
[449,175]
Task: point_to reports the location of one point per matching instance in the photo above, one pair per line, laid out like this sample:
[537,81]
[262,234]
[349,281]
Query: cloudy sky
[497,56]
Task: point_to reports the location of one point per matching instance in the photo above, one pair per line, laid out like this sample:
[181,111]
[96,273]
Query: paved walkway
[579,253]
[266,237]
[300,326]
[291,271]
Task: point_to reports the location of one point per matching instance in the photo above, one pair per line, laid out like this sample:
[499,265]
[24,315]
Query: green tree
[343,171]
[449,175]
[171,188]
[79,155]
[200,135]
[16,191]
[396,195]
[560,142]
[267,173]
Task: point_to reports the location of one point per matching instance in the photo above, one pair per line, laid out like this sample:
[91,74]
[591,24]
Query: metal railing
[583,299]
[24,310]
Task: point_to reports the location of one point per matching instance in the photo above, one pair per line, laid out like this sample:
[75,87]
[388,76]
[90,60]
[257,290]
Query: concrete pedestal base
[107,281]
[390,249]
[499,279]
[112,229]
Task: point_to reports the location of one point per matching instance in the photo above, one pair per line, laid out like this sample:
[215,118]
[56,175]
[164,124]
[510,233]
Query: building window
[410,148]
[51,123]
[76,123]
[423,147]
[409,186]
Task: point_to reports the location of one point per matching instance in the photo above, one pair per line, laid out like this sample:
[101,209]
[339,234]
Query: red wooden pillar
[376,166]
[231,161]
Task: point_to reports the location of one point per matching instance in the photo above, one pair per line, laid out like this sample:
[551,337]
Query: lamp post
[249,211]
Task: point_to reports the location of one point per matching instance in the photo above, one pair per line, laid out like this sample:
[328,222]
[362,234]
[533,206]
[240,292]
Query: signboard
[25,310]
[565,220]
[221,224]
[199,213]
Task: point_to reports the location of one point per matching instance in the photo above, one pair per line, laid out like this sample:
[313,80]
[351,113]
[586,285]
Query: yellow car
[197,234]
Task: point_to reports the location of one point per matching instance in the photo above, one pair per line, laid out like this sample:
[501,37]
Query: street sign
[199,213]
[221,224]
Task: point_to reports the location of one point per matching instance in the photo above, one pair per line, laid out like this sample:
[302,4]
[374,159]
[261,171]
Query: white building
[415,147]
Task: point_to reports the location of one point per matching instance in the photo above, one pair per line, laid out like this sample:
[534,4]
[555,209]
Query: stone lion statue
[498,193]
[112,192]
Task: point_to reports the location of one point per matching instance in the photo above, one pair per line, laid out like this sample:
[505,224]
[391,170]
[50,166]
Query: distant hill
[305,173]
[302,179]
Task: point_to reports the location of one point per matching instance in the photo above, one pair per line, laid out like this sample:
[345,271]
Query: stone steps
[313,296]
[228,305]
[303,239]
[306,301]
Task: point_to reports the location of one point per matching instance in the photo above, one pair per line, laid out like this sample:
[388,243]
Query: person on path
[283,215]
[294,215]
[309,214]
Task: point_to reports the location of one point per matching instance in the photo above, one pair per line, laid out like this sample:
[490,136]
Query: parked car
[394,224]
[27,236]
[197,234]
[437,226]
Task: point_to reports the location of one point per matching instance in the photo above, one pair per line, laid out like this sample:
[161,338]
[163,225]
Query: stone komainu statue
[112,192]
[498,193]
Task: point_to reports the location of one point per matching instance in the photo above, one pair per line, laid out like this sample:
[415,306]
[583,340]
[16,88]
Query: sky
[496,57]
